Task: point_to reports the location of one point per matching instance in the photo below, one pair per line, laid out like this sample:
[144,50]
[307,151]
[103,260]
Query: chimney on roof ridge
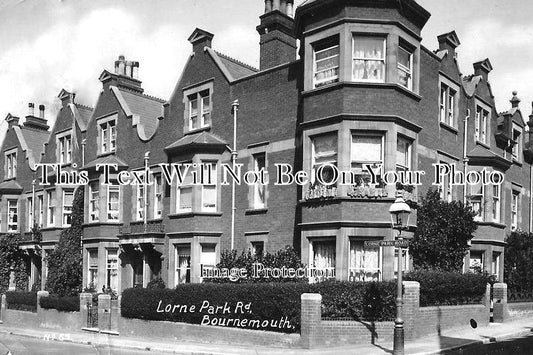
[41,111]
[515,101]
[35,122]
[126,75]
[276,30]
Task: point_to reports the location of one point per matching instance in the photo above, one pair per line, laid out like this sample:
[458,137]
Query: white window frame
[326,45]
[312,247]
[67,211]
[409,142]
[110,266]
[353,271]
[381,136]
[64,147]
[40,205]
[517,148]
[448,102]
[11,164]
[383,59]
[92,267]
[496,203]
[479,199]
[30,221]
[94,201]
[107,134]
[329,157]
[109,210]
[12,215]
[139,202]
[177,268]
[470,266]
[515,202]
[211,186]
[202,110]
[407,70]
[186,185]
[482,122]
[158,196]
[257,202]
[51,207]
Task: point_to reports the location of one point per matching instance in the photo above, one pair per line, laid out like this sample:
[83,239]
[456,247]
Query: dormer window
[482,119]
[405,66]
[199,110]
[11,164]
[64,149]
[107,134]
[517,137]
[368,59]
[198,103]
[326,62]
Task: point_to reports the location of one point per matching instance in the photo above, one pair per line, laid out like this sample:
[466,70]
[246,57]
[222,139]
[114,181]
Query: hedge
[22,301]
[62,304]
[449,288]
[271,303]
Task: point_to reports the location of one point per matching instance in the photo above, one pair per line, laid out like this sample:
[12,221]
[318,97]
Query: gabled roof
[230,67]
[32,142]
[108,159]
[470,84]
[197,140]
[10,186]
[145,111]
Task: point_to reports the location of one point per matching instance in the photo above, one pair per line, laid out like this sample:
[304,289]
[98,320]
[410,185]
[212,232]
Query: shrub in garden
[518,269]
[449,288]
[62,304]
[269,301]
[23,301]
[156,283]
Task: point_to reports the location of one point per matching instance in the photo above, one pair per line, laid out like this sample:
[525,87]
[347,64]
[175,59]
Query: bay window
[112,269]
[403,154]
[208,257]
[92,275]
[139,198]
[184,193]
[158,196]
[326,62]
[365,262]
[477,200]
[366,150]
[477,261]
[368,58]
[514,210]
[324,151]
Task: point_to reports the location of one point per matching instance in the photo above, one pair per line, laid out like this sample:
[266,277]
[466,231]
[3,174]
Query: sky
[47,45]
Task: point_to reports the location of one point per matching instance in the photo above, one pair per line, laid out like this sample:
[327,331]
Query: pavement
[447,340]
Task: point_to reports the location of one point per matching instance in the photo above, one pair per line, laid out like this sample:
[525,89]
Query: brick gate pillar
[104,312]
[311,316]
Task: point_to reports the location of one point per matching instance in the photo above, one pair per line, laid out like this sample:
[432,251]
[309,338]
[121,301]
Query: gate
[92,316]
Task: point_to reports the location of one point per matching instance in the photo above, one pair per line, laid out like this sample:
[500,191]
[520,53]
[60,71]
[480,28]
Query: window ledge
[364,84]
[491,224]
[197,130]
[485,145]
[252,211]
[100,155]
[449,128]
[194,214]
[98,223]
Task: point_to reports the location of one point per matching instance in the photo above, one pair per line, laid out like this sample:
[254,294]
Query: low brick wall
[20,318]
[193,332]
[338,332]
[53,319]
[520,309]
[432,320]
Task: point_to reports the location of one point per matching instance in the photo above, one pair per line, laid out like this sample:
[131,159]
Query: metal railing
[140,228]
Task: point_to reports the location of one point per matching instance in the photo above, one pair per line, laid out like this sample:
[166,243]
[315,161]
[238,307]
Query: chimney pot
[268,6]
[290,11]
[276,5]
[41,111]
[283,6]
[135,70]
[31,109]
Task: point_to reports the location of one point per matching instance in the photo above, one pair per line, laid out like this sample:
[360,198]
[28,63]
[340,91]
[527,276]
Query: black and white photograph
[266,177]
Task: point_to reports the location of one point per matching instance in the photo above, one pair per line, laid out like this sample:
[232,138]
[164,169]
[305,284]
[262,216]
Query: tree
[442,235]
[518,260]
[65,261]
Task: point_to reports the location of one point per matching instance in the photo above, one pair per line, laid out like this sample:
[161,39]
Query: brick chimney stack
[277,39]
[126,75]
[36,122]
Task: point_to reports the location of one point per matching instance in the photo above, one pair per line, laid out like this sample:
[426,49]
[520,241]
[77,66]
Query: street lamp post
[399,212]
